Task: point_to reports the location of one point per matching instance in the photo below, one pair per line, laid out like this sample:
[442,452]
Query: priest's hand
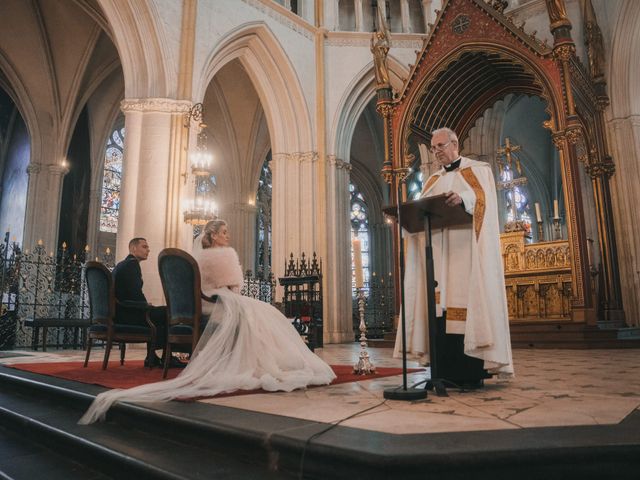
[453,199]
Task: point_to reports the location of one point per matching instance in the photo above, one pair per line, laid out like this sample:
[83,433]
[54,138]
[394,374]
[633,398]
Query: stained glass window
[516,201]
[110,201]
[360,228]
[415,181]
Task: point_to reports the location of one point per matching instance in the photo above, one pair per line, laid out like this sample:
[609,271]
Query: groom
[131,304]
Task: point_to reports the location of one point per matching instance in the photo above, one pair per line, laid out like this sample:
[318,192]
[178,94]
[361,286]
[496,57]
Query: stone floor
[551,388]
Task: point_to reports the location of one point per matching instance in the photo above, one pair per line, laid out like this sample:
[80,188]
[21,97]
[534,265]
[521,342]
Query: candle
[357,262]
[555,210]
[538,214]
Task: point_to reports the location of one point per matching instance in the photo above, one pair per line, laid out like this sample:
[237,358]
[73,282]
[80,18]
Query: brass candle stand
[540,231]
[557,232]
[364,365]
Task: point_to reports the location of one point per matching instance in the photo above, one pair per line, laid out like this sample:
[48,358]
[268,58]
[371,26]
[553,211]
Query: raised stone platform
[562,417]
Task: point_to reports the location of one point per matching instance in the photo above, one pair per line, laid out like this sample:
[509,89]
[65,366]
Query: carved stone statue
[595,50]
[557,13]
[595,44]
[380,43]
[380,49]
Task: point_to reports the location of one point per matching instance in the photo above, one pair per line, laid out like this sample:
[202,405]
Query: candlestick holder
[557,233]
[540,231]
[364,365]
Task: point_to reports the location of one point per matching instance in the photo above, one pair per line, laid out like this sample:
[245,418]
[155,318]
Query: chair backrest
[180,277]
[101,292]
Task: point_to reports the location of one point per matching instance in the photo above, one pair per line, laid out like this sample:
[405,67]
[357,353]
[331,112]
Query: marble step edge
[354,453]
[86,452]
[48,416]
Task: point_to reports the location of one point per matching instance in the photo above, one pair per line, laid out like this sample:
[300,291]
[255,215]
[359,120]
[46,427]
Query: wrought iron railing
[259,286]
[38,286]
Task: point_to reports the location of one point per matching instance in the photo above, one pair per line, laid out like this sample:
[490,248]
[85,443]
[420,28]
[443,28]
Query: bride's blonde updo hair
[210,229]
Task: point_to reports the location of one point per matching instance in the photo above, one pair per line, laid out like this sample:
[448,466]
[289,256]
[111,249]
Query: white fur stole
[219,267]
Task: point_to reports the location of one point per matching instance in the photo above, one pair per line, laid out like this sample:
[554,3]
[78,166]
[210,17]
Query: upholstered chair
[180,277]
[104,326]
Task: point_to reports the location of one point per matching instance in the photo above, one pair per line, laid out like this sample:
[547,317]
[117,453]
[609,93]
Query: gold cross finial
[507,151]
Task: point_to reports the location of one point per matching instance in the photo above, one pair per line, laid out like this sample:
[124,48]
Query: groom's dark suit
[127,277]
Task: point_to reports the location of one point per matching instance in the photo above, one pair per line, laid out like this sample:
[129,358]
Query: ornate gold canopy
[473,56]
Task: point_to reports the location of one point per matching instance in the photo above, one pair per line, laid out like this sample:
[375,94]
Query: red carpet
[133,373]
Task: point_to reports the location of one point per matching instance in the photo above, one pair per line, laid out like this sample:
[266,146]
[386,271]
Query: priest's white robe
[469,271]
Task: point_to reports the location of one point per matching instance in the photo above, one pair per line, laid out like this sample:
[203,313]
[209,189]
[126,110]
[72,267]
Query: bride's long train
[250,346]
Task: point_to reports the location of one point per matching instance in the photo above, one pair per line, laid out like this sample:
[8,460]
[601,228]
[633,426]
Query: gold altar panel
[537,278]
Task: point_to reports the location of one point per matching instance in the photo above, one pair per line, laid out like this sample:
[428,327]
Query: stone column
[302,223]
[426,13]
[31,217]
[296,225]
[242,227]
[42,216]
[332,15]
[52,209]
[150,160]
[404,15]
[338,326]
[625,145]
[93,222]
[360,27]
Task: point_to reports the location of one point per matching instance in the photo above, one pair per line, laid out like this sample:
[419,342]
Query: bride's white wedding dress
[247,344]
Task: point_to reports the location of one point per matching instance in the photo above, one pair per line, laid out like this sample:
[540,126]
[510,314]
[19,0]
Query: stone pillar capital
[244,207]
[60,170]
[339,163]
[34,169]
[155,105]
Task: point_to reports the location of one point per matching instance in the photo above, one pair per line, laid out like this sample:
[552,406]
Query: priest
[470,297]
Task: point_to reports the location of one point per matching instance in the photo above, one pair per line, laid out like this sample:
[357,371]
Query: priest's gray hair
[448,131]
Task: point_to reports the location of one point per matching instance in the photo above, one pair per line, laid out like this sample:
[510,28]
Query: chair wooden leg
[86,359]
[107,351]
[123,349]
[35,339]
[167,358]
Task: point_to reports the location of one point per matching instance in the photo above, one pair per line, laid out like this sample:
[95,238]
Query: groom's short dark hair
[135,241]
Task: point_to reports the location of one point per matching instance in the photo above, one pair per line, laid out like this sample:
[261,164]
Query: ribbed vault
[465,88]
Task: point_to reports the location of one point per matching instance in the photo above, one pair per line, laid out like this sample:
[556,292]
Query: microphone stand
[403,392]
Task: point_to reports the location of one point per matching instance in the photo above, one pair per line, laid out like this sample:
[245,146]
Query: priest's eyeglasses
[440,146]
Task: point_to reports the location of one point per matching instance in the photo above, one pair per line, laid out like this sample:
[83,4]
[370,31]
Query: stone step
[381,343]
[133,443]
[24,459]
[196,440]
[569,335]
[555,335]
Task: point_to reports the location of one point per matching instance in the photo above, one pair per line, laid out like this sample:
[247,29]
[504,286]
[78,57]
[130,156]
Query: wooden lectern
[416,216]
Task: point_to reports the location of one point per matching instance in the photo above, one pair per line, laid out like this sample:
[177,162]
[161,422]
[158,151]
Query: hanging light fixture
[202,207]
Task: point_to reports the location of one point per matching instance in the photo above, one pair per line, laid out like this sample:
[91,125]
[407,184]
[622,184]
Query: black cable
[331,426]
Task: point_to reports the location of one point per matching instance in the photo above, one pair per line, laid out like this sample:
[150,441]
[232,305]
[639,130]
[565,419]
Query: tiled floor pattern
[551,388]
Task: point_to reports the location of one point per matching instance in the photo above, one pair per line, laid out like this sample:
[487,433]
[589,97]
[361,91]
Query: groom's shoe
[174,362]
[152,361]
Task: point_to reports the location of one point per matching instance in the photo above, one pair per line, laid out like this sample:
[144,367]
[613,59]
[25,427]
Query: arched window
[414,185]
[360,228]
[263,219]
[516,198]
[110,200]
[415,180]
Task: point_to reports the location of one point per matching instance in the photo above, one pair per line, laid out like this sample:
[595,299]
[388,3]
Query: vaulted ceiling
[462,91]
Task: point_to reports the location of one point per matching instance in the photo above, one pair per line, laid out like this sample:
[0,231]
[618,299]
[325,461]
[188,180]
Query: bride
[246,345]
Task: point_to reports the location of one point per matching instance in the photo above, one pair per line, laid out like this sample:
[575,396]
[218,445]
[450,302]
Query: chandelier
[201,208]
